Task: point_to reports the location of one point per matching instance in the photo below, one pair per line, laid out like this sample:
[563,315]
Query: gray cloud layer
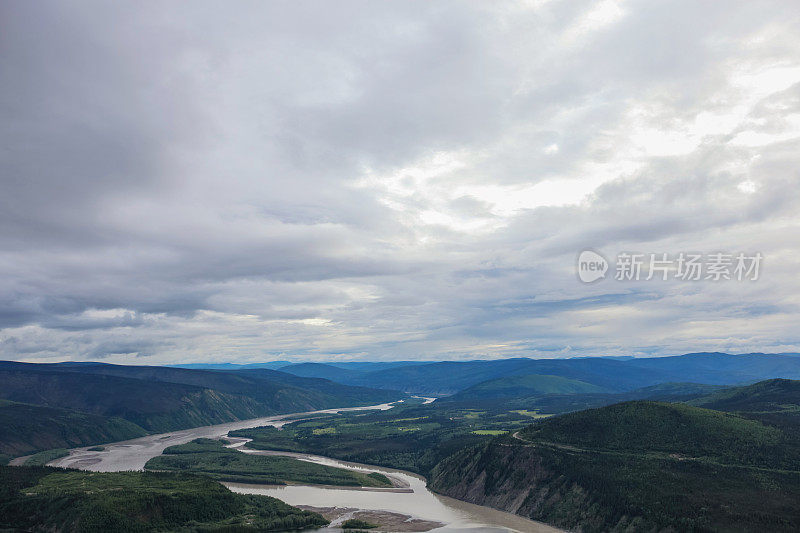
[253,180]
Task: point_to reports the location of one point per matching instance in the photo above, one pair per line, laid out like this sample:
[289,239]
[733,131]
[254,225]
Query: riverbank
[411,498]
[385,521]
[416,503]
[133,454]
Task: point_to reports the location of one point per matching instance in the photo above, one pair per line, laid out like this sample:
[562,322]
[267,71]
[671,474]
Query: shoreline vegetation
[718,457]
[212,458]
[60,405]
[44,457]
[46,498]
[645,466]
[412,437]
[734,465]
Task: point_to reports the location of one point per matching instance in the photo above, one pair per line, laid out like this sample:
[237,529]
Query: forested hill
[26,428]
[643,466]
[49,499]
[523,386]
[771,396]
[281,391]
[94,403]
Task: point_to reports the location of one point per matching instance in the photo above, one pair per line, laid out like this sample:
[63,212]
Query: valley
[412,493]
[521,452]
[429,266]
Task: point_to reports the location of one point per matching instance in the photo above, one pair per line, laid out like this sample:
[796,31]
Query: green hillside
[320,370]
[637,466]
[559,403]
[522,386]
[670,392]
[450,377]
[26,428]
[71,405]
[678,429]
[281,391]
[48,499]
[154,406]
[645,425]
[771,396]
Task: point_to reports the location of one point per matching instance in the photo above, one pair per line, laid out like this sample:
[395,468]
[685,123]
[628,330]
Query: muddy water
[411,498]
[414,500]
[133,454]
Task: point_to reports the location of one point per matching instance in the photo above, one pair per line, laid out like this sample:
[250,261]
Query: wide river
[417,501]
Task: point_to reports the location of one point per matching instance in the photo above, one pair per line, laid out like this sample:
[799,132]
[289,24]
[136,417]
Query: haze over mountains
[708,420]
[96,402]
[608,374]
[101,402]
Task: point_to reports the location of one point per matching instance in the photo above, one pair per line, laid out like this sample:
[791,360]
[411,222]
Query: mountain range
[101,403]
[610,374]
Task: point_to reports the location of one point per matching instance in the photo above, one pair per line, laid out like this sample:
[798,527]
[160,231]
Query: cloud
[410,180]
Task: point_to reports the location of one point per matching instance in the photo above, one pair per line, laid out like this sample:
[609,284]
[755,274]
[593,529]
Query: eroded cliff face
[523,480]
[642,466]
[501,476]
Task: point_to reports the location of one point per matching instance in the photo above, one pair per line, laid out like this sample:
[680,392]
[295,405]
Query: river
[415,500]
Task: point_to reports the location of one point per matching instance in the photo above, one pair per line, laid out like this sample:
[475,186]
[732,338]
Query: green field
[409,437]
[532,414]
[210,458]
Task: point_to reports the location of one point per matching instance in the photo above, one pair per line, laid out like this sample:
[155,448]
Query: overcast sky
[251,181]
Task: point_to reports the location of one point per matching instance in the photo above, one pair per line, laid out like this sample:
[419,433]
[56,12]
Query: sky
[253,181]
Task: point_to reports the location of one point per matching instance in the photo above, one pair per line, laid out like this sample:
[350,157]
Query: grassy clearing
[411,438]
[531,414]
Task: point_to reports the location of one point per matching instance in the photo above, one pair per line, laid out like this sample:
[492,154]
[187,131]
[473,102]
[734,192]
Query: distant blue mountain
[232,366]
[612,374]
[320,370]
[356,366]
[371,366]
[718,368]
